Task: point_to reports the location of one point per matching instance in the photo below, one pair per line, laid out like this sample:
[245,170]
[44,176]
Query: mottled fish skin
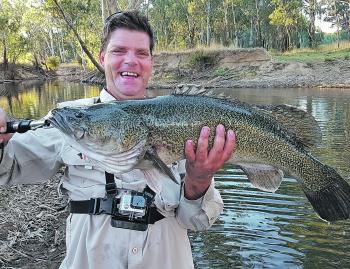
[166,122]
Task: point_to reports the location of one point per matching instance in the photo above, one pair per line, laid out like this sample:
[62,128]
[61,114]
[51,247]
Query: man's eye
[143,53]
[117,51]
[79,115]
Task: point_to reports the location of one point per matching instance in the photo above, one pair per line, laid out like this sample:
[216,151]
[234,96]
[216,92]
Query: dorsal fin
[198,90]
[299,126]
[296,121]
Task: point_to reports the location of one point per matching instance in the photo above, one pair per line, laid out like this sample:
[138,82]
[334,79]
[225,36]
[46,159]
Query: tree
[312,7]
[81,42]
[10,21]
[286,16]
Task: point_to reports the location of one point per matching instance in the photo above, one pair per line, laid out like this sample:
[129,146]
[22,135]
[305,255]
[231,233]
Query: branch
[81,42]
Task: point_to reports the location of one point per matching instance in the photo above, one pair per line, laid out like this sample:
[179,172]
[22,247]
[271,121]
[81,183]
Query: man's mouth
[129,74]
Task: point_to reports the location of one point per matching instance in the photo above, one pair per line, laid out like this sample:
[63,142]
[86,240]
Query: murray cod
[123,135]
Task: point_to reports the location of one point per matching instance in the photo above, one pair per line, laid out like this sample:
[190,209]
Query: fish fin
[263,177]
[333,202]
[301,124]
[198,90]
[116,163]
[152,155]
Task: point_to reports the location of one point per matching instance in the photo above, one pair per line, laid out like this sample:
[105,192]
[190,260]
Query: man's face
[127,61]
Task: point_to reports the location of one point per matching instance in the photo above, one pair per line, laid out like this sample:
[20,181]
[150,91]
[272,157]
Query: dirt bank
[251,68]
[247,68]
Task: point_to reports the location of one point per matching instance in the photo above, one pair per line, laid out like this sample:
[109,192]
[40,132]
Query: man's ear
[101,57]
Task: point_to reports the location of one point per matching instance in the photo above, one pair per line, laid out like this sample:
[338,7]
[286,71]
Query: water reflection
[257,229]
[33,99]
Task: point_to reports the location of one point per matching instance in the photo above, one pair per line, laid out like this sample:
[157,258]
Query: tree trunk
[208,22]
[235,31]
[6,60]
[251,33]
[81,42]
[259,42]
[312,27]
[52,48]
[226,33]
[103,12]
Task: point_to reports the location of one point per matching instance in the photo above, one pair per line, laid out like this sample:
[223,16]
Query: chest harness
[128,209]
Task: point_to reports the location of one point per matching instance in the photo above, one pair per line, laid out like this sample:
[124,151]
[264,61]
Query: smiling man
[102,230]
[127,60]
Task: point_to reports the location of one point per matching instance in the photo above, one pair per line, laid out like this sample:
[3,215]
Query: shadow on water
[257,229]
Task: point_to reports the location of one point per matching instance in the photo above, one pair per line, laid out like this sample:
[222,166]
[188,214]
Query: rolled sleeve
[32,157]
[200,214]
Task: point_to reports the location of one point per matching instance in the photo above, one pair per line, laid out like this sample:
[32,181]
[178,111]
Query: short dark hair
[131,20]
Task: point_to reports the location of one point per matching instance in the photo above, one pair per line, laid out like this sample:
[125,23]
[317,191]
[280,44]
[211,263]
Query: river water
[257,229]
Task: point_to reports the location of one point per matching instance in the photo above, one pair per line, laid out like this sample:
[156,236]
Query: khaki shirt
[91,241]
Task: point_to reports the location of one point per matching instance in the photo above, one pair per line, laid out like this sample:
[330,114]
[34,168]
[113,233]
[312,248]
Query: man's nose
[130,59]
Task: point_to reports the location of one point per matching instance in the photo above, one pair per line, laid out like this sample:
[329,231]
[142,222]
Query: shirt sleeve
[32,157]
[200,214]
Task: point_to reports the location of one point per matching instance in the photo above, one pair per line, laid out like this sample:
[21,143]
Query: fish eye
[79,115]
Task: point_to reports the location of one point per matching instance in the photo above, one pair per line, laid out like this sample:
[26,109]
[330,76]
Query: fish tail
[332,202]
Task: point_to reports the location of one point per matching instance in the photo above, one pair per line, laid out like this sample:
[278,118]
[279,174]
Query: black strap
[93,206]
[111,187]
[105,206]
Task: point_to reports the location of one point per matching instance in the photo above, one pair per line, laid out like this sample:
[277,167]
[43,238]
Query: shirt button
[134,250]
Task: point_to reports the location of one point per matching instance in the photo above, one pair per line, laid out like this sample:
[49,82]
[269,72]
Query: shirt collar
[106,96]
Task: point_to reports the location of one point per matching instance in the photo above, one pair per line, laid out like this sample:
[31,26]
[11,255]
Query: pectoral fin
[116,163]
[152,156]
[263,177]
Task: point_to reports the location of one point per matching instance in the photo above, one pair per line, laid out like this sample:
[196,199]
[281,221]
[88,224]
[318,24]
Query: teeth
[130,74]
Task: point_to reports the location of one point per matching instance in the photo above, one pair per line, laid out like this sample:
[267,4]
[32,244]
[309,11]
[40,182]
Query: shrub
[52,62]
[200,59]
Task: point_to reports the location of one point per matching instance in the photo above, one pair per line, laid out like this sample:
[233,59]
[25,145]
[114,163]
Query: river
[257,229]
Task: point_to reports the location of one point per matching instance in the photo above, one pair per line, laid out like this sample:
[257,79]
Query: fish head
[101,128]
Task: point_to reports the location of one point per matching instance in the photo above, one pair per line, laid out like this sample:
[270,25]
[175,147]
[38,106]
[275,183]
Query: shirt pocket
[79,171]
[71,156]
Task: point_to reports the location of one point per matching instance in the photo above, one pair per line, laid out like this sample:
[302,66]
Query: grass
[329,52]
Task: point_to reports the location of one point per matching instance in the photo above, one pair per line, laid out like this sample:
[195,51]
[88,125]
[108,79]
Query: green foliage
[329,59]
[326,53]
[201,59]
[34,30]
[52,62]
[222,71]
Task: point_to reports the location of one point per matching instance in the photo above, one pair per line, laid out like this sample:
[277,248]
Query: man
[92,240]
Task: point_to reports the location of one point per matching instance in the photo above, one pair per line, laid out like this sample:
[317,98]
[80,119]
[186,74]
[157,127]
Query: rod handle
[18,126]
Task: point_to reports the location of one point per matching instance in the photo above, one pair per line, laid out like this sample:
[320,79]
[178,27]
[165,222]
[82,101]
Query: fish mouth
[61,123]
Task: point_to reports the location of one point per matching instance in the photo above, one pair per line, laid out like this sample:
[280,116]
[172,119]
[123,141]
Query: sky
[325,26]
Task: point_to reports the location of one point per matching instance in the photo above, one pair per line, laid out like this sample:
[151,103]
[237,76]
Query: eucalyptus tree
[177,24]
[311,9]
[287,16]
[338,13]
[83,18]
[42,32]
[12,41]
[108,7]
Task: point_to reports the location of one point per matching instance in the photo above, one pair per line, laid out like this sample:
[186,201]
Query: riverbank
[243,68]
[32,230]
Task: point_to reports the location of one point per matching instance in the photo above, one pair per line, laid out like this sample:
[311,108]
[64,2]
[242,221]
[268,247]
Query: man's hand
[3,123]
[201,164]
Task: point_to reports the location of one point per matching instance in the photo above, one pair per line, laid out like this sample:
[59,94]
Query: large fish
[122,135]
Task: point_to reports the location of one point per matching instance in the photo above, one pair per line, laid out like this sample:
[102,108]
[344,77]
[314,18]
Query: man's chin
[132,92]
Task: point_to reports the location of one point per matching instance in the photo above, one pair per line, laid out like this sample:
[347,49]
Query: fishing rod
[22,126]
